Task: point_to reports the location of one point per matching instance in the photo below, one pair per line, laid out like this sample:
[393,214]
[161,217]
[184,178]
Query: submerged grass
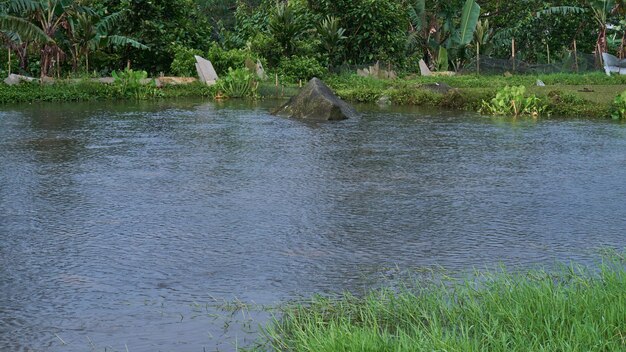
[573,310]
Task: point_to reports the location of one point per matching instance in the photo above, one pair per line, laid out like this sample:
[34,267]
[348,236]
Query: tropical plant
[40,20]
[331,36]
[296,68]
[375,29]
[619,106]
[286,26]
[184,61]
[239,83]
[512,101]
[601,9]
[223,59]
[88,31]
[160,25]
[435,30]
[134,84]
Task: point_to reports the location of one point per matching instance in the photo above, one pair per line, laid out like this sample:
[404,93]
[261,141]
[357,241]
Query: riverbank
[571,95]
[575,309]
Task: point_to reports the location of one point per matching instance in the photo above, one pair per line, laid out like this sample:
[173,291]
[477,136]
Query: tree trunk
[602,40]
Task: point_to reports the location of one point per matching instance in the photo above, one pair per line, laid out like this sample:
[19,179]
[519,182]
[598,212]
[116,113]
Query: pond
[144,226]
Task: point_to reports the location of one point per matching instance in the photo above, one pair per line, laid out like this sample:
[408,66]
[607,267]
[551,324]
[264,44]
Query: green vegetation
[296,40]
[572,95]
[86,90]
[239,83]
[134,84]
[56,37]
[513,101]
[573,309]
[619,106]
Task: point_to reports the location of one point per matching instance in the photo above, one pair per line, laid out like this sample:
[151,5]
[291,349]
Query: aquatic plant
[512,101]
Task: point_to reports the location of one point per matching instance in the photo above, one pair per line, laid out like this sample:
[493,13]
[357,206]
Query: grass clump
[573,310]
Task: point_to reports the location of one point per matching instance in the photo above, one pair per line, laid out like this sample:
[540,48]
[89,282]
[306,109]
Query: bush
[131,84]
[266,46]
[513,102]
[298,68]
[222,59]
[619,106]
[184,63]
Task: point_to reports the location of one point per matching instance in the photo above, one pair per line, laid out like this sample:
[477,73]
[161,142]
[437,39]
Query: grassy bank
[90,91]
[572,95]
[573,310]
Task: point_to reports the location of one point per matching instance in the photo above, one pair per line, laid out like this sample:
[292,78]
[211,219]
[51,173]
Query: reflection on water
[128,224]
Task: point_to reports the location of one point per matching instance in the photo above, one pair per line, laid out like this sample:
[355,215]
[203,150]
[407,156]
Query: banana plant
[88,31]
[443,31]
[601,10]
[40,20]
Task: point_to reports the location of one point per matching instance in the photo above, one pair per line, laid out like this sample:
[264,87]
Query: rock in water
[316,102]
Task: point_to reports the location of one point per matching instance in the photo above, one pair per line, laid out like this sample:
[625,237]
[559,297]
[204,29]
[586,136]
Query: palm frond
[23,28]
[120,40]
[561,10]
[110,22]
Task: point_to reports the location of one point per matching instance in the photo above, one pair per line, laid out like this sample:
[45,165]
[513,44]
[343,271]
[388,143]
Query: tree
[88,31]
[39,20]
[444,30]
[161,25]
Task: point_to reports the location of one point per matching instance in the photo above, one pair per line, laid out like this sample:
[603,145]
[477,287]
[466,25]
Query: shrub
[298,68]
[184,63]
[513,102]
[619,106]
[131,84]
[237,83]
[223,59]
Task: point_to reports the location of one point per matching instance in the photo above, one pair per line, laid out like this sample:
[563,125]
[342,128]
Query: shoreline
[571,308]
[564,95]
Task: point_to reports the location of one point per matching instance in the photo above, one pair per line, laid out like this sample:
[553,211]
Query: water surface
[124,225]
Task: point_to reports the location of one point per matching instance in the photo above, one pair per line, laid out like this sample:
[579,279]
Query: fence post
[478,58]
[276,88]
[9,62]
[575,56]
[513,52]
[548,50]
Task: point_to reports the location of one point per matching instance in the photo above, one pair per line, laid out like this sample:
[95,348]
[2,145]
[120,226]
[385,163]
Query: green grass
[87,91]
[572,310]
[587,95]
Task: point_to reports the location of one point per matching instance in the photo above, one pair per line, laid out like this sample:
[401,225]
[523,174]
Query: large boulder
[316,102]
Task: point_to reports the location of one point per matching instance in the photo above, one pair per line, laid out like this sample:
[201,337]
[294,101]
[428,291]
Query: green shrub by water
[619,106]
[573,309]
[513,101]
[239,83]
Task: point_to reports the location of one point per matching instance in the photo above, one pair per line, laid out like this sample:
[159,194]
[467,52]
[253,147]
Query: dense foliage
[58,37]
